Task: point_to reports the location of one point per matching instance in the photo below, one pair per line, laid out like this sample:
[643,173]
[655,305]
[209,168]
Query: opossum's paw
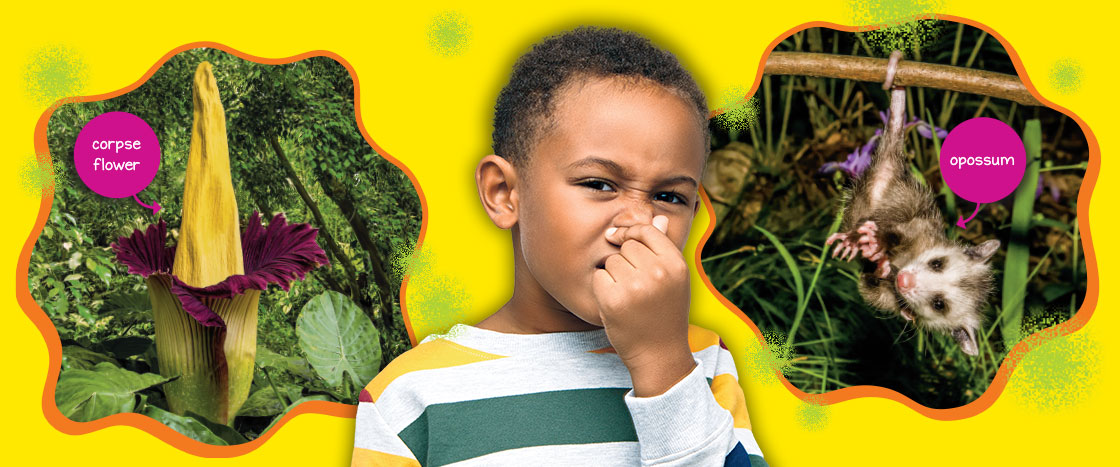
[884,268]
[847,249]
[868,242]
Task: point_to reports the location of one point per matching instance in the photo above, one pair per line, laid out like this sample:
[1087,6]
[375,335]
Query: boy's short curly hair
[526,105]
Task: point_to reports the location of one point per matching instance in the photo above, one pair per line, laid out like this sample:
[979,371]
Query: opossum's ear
[982,252]
[966,337]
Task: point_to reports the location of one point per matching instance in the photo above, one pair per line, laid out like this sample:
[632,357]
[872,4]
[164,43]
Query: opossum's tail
[888,164]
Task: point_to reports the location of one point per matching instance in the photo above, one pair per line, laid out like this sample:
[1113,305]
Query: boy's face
[619,153]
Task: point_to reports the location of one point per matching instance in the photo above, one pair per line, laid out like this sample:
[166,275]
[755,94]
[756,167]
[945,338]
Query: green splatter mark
[1058,374]
[53,73]
[38,176]
[1065,76]
[765,363]
[813,414]
[407,261]
[449,34]
[740,113]
[896,24]
[436,301]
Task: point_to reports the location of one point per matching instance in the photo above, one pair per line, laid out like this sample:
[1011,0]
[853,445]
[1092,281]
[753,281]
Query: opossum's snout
[906,281]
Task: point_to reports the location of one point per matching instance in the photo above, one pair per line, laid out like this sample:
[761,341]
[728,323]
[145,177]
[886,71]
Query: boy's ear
[498,189]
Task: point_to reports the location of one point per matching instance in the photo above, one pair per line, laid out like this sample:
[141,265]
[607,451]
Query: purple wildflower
[858,161]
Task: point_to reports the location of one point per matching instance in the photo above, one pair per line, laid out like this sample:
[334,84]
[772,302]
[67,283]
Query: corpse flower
[205,290]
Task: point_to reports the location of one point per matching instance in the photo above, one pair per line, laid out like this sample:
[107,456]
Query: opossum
[913,269]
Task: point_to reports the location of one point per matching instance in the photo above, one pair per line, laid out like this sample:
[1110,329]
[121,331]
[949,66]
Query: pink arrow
[155,207]
[961,221]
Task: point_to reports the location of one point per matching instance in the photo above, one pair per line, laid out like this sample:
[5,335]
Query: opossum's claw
[834,237]
[907,314]
[884,269]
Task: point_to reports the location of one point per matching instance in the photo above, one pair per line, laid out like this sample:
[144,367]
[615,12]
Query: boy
[601,139]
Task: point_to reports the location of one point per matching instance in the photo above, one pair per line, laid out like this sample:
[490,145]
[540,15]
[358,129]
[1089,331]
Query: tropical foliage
[295,148]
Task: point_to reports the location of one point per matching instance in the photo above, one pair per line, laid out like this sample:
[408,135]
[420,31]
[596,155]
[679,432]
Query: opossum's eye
[937,264]
[938,303]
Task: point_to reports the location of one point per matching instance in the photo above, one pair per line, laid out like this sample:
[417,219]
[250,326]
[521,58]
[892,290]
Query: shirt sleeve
[375,444]
[696,422]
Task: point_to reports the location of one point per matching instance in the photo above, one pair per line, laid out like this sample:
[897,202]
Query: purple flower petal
[278,254]
[858,161]
[927,131]
[146,253]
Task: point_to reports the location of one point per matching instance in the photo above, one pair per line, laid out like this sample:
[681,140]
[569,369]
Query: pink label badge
[117,155]
[983,160]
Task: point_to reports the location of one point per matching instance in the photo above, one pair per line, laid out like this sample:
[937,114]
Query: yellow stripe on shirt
[439,353]
[368,458]
[730,396]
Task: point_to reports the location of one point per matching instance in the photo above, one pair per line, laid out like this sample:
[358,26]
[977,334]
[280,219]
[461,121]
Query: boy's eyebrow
[613,167]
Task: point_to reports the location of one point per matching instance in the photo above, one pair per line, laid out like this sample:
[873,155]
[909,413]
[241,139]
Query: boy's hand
[643,298]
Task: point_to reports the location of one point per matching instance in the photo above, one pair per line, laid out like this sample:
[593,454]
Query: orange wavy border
[50,334]
[999,382]
[188,445]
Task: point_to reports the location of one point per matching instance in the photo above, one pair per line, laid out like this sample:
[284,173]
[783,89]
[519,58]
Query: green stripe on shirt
[452,432]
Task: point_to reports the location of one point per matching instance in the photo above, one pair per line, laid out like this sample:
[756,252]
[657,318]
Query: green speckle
[407,261]
[436,301]
[897,25]
[739,112]
[765,363]
[1058,374]
[38,176]
[812,414]
[449,34]
[53,73]
[1065,76]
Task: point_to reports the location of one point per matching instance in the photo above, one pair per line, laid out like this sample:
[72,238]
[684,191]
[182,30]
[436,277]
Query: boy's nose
[634,212]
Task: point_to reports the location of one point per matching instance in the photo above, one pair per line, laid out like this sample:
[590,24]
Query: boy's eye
[597,185]
[670,197]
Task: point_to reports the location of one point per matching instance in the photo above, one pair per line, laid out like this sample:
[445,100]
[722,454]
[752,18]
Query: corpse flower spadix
[205,290]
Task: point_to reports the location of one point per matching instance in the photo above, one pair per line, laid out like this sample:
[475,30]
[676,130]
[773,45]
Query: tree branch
[332,246]
[952,78]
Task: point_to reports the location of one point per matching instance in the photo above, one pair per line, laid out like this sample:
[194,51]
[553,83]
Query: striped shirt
[477,397]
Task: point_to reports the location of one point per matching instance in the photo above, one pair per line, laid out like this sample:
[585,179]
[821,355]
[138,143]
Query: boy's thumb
[661,223]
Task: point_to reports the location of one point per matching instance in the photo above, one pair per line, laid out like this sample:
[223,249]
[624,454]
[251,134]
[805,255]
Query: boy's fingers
[652,238]
[638,254]
[645,233]
[619,267]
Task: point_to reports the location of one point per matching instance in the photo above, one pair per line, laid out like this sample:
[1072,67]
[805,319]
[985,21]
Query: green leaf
[125,347]
[188,426]
[84,395]
[129,307]
[81,358]
[338,337]
[295,365]
[75,260]
[227,433]
[263,402]
[317,397]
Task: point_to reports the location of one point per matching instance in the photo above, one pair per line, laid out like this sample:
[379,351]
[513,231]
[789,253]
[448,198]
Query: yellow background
[433,113]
